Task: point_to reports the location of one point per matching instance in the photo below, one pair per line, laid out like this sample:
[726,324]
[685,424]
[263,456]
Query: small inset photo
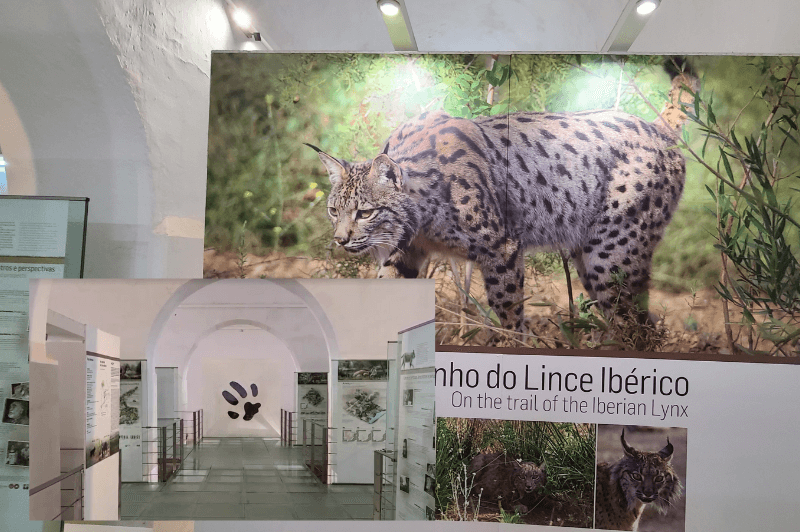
[408,397]
[18,453]
[21,390]
[16,412]
[640,476]
[405,486]
[524,472]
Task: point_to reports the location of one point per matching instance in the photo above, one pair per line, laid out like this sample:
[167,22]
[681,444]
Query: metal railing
[384,495]
[167,440]
[71,495]
[316,448]
[192,427]
[288,428]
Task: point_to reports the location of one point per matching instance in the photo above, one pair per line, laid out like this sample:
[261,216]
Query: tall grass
[567,449]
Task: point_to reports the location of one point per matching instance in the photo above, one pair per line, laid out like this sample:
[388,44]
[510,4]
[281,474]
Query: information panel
[131,396]
[102,408]
[668,445]
[359,417]
[39,238]
[416,456]
[312,399]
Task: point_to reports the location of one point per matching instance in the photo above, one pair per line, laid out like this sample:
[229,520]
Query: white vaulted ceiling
[109,98]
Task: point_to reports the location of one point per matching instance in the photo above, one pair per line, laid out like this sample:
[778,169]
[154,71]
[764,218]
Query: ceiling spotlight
[242,18]
[645,7]
[389,8]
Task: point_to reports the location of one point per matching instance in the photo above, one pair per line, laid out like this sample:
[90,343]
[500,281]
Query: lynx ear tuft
[666,452]
[336,168]
[385,171]
[627,448]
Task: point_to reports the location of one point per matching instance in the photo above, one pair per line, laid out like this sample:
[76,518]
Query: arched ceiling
[288,312]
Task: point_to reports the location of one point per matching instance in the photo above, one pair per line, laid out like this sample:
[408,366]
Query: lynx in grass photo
[512,484]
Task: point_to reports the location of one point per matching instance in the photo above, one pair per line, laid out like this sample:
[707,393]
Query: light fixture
[389,8]
[645,7]
[242,18]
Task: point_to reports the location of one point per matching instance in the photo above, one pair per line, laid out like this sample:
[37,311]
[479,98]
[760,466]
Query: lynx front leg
[504,277]
[405,265]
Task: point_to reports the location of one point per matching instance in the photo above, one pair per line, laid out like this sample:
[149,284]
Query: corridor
[245,478]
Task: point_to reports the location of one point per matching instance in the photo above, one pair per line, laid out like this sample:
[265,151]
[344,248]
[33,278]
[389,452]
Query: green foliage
[757,227]
[567,449]
[510,518]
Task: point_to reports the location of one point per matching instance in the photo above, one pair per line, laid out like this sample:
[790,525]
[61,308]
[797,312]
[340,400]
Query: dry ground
[689,322]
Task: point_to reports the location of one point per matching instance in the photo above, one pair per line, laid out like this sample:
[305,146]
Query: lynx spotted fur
[639,478]
[602,184]
[510,483]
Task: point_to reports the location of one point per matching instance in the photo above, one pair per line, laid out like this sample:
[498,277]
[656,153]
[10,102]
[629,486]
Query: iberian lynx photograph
[557,200]
[529,472]
[640,476]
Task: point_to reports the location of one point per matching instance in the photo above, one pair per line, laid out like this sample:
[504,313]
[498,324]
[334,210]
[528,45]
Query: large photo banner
[359,417]
[640,202]
[102,408]
[616,443]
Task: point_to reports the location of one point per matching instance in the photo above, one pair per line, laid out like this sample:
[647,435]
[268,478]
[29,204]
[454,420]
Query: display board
[131,413]
[359,418]
[416,456]
[312,399]
[102,407]
[700,440]
[39,238]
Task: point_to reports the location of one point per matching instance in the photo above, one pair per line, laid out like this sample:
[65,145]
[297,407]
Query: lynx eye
[333,212]
[365,214]
[636,476]
[659,478]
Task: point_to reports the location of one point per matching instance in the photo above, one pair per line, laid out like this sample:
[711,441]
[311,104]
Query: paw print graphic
[250,409]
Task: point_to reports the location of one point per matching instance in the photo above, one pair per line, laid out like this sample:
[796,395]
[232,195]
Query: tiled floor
[245,478]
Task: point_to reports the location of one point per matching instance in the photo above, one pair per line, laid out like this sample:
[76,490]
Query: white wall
[248,353]
[108,100]
[167,392]
[368,313]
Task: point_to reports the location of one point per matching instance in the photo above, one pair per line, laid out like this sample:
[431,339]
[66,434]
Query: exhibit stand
[311,400]
[358,417]
[76,436]
[132,396]
[416,426]
[40,237]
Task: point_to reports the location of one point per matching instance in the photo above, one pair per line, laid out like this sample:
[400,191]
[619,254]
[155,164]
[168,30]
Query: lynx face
[648,477]
[367,207]
[528,477]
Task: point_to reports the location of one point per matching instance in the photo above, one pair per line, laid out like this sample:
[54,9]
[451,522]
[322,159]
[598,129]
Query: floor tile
[173,497]
[359,511]
[222,486]
[140,486]
[268,498]
[322,512]
[171,511]
[264,487]
[219,510]
[220,497]
[268,512]
[352,498]
[182,487]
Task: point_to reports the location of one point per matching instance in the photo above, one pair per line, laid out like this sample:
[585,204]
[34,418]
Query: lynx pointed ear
[385,171]
[666,452]
[627,448]
[336,168]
